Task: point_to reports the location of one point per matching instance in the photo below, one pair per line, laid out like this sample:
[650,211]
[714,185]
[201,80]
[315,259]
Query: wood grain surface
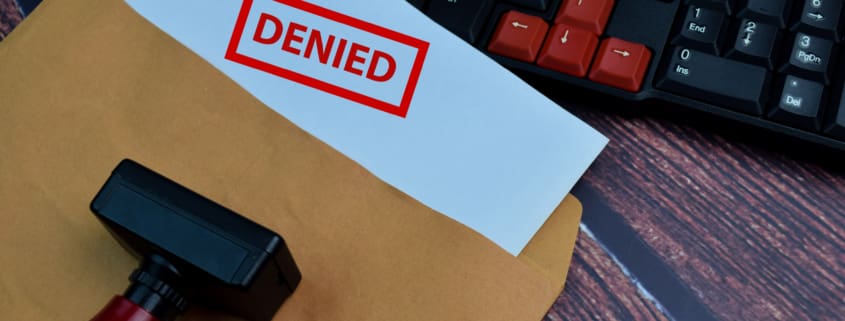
[597,289]
[10,16]
[681,223]
[749,233]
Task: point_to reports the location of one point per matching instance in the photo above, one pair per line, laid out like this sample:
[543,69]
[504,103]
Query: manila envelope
[84,84]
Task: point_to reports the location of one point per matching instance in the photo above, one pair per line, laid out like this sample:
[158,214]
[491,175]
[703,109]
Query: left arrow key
[516,24]
[518,36]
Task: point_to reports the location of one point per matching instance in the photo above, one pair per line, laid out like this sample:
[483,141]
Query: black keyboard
[771,64]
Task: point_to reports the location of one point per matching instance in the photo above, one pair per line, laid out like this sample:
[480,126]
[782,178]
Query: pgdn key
[720,81]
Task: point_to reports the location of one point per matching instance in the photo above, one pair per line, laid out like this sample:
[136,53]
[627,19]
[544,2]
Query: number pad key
[725,6]
[701,29]
[821,17]
[721,81]
[768,11]
[810,58]
[799,104]
[836,121]
[755,43]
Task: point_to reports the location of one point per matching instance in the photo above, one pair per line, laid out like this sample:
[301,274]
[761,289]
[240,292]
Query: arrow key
[568,50]
[755,43]
[820,17]
[620,64]
[518,36]
[591,15]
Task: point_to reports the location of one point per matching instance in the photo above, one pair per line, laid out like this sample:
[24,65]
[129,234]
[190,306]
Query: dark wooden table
[682,223]
[10,16]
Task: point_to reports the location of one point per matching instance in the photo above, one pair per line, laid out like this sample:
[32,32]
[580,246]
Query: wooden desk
[10,16]
[684,224]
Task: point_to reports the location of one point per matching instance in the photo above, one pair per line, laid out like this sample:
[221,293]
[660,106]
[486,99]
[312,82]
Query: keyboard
[770,64]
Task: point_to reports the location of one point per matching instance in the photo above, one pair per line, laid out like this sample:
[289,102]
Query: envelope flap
[88,83]
[550,250]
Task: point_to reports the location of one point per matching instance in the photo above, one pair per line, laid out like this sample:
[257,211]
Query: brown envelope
[84,84]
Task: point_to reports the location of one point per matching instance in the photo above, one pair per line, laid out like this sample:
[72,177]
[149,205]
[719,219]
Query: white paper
[477,144]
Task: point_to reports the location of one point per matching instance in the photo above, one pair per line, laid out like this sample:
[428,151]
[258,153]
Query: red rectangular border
[400,110]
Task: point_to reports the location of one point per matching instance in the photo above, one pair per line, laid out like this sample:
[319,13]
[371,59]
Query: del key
[721,81]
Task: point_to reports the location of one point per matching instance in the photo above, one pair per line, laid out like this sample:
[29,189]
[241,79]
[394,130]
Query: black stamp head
[192,250]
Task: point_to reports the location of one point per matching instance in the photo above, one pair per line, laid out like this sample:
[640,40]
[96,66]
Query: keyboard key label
[329,51]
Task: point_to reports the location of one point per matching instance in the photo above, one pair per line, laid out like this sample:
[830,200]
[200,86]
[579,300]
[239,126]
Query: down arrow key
[568,50]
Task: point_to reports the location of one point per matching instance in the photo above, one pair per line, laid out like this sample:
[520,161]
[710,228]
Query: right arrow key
[621,64]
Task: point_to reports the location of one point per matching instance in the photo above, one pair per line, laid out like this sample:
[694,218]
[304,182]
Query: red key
[589,15]
[620,64]
[518,36]
[568,50]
